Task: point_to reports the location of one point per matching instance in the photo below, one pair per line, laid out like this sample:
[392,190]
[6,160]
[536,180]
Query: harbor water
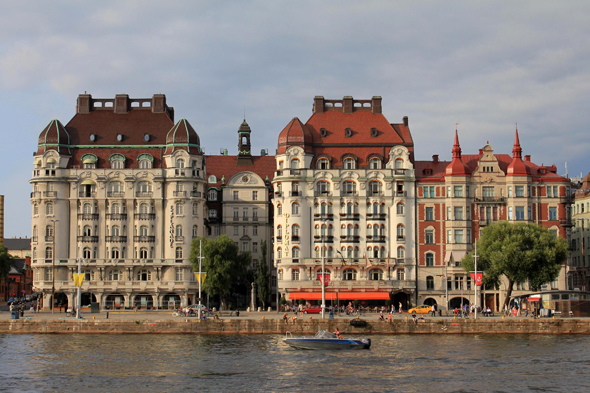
[263,363]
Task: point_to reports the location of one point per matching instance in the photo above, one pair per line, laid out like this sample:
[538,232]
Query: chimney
[406,121]
[527,158]
[376,105]
[318,104]
[435,158]
[347,104]
[84,104]
[121,103]
[481,152]
[158,103]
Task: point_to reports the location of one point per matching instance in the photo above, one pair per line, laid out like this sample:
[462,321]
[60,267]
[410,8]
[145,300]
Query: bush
[388,303]
[283,301]
[301,301]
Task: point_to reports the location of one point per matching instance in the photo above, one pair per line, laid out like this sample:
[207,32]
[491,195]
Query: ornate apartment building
[457,199]
[123,187]
[579,263]
[344,190]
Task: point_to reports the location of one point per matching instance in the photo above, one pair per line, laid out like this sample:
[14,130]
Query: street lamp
[200,258]
[53,267]
[323,280]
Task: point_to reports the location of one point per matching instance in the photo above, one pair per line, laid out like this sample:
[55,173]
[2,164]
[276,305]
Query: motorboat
[326,340]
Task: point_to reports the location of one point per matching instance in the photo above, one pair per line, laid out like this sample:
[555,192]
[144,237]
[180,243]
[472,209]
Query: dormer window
[92,137]
[117,161]
[375,163]
[323,164]
[348,132]
[146,137]
[374,132]
[120,137]
[323,132]
[348,163]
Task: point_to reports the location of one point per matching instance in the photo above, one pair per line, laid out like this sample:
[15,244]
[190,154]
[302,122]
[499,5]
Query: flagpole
[322,281]
[475,258]
[79,282]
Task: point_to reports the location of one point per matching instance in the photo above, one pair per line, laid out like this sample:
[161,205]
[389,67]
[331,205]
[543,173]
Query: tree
[222,262]
[520,252]
[263,277]
[6,262]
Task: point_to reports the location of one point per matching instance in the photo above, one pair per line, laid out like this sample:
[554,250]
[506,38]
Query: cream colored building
[122,187]
[579,262]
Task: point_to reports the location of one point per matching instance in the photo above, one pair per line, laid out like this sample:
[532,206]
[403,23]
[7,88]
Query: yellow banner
[78,279]
[203,275]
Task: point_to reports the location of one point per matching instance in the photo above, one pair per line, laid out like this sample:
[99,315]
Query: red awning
[534,298]
[339,295]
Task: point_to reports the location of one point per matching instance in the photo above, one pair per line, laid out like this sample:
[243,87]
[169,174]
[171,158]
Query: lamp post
[323,280]
[200,276]
[53,267]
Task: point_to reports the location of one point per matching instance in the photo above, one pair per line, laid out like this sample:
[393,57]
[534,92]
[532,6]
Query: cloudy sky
[484,65]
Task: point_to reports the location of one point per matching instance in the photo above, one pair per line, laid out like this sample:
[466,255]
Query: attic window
[323,132]
[348,133]
[374,132]
[427,171]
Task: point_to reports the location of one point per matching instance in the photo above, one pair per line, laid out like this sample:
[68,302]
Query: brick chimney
[122,103]
[376,105]
[347,105]
[527,158]
[158,103]
[318,104]
[406,121]
[435,158]
[84,104]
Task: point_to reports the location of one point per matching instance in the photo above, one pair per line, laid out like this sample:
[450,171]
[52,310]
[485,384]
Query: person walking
[433,310]
[400,307]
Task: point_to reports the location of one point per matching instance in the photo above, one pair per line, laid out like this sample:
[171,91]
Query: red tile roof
[294,134]
[227,166]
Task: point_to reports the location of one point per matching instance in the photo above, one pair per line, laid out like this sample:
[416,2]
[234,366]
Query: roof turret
[517,167]
[457,167]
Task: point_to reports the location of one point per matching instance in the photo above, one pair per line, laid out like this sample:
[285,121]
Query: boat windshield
[325,334]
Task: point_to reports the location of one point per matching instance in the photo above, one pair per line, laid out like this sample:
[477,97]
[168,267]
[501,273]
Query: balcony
[375,239]
[489,199]
[345,216]
[117,216]
[278,193]
[567,199]
[179,238]
[325,193]
[295,193]
[87,216]
[323,239]
[49,239]
[567,222]
[320,216]
[376,216]
[349,193]
[401,193]
[486,222]
[145,216]
[255,218]
[399,172]
[88,239]
[144,194]
[179,194]
[87,194]
[245,218]
[35,195]
[375,193]
[196,194]
[116,239]
[115,194]
[349,239]
[49,194]
[144,239]
[295,238]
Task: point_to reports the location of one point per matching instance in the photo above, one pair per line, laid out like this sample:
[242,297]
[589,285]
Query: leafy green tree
[222,262]
[520,252]
[6,261]
[263,276]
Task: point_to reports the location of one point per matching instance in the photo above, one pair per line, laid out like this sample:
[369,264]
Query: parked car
[312,310]
[423,309]
[195,308]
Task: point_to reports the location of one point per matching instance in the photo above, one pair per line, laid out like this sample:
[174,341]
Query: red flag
[367,259]
[478,279]
[326,279]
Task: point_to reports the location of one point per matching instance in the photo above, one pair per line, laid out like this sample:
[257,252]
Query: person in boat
[337,333]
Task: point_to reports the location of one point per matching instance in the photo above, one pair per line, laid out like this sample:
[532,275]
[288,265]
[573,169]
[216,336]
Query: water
[176,363]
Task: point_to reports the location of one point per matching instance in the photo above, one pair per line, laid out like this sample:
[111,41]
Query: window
[254,195]
[520,212]
[178,230]
[178,252]
[295,208]
[49,209]
[323,164]
[401,252]
[236,230]
[510,212]
[349,274]
[212,195]
[295,252]
[448,237]
[236,196]
[179,209]
[245,246]
[348,163]
[458,236]
[236,214]
[254,247]
[519,190]
[458,213]
[48,274]
[376,274]
[295,275]
[195,209]
[180,163]
[449,213]
[144,275]
[401,274]
[400,231]
[375,163]
[429,259]
[467,191]
[399,163]
[144,187]
[349,187]
[255,214]
[195,231]
[280,275]
[375,187]
[179,276]
[295,229]
[279,209]
[429,214]
[212,179]
[212,213]
[35,210]
[323,187]
[429,236]
[448,191]
[114,275]
[245,214]
[552,213]
[145,164]
[117,164]
[458,190]
[115,253]
[429,282]
[487,192]
[143,230]
[468,236]
[143,253]
[255,230]
[295,163]
[509,191]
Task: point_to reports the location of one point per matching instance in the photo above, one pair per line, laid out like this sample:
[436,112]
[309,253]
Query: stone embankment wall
[275,326]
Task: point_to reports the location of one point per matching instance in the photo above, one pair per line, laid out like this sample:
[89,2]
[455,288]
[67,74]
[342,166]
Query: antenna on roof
[456,126]
[244,112]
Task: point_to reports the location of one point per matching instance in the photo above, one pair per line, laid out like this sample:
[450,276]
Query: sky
[485,65]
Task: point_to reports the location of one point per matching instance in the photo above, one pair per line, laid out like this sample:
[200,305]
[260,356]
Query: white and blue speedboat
[326,340]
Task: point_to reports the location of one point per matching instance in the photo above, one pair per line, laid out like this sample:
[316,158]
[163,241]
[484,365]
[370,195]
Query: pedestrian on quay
[433,310]
[400,307]
[389,317]
[294,317]
[285,317]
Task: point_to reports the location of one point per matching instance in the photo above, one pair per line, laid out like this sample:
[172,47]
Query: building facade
[457,199]
[579,262]
[344,193]
[122,187]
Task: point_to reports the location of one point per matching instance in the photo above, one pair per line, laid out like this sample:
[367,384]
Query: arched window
[48,253]
[115,208]
[349,187]
[180,163]
[375,252]
[295,252]
[429,282]
[349,274]
[49,209]
[144,187]
[295,275]
[115,230]
[86,253]
[143,208]
[295,208]
[117,164]
[144,275]
[178,230]
[349,209]
[212,179]
[212,195]
[280,275]
[376,274]
[143,253]
[375,208]
[399,163]
[35,209]
[115,253]
[279,209]
[87,231]
[348,163]
[179,209]
[279,253]
[295,230]
[399,208]
[317,252]
[343,230]
[195,209]
[316,230]
[382,253]
[49,230]
[323,187]
[375,163]
[429,259]
[145,164]
[324,209]
[143,230]
[401,252]
[349,251]
[178,252]
[323,163]
[376,230]
[87,208]
[195,231]
[400,231]
[349,232]
[279,231]
[295,163]
[382,230]
[375,187]
[330,230]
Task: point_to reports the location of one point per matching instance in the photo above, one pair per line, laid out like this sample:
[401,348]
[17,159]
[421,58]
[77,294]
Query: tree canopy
[521,252]
[6,261]
[263,276]
[222,262]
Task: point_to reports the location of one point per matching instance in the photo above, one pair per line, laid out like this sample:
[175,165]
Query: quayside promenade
[273,323]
